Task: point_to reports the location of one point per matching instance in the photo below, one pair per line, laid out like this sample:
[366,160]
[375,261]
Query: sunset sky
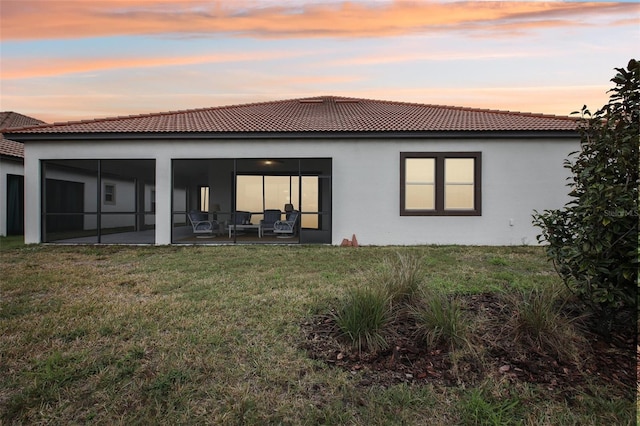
[78,59]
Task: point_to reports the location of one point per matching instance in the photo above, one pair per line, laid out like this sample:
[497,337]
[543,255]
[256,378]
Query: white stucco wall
[7,167]
[518,176]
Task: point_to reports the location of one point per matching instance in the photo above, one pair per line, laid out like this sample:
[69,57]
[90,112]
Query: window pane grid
[420,181]
[458,193]
[444,183]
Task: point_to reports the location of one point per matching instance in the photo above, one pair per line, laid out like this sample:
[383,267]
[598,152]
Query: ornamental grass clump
[363,317]
[538,323]
[440,319]
[402,277]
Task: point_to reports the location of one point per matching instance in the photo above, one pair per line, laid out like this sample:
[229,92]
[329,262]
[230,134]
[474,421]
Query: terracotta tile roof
[8,120]
[11,148]
[318,114]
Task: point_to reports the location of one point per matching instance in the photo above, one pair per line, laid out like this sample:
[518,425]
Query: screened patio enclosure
[225,189]
[98,201]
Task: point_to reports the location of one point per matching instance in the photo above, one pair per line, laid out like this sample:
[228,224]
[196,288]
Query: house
[11,174]
[392,173]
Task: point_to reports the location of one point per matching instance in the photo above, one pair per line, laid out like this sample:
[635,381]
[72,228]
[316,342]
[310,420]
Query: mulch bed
[409,360]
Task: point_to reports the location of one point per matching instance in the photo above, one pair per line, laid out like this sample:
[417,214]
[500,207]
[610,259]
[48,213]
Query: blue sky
[67,60]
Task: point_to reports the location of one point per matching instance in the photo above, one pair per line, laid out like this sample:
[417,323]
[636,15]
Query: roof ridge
[27,127]
[149,115]
[463,108]
[7,115]
[508,112]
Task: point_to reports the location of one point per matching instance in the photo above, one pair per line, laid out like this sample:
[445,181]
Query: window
[203,198]
[109,193]
[440,184]
[256,193]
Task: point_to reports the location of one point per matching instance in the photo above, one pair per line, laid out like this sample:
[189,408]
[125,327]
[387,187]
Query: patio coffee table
[244,227]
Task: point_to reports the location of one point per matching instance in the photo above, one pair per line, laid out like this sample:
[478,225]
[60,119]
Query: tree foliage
[593,240]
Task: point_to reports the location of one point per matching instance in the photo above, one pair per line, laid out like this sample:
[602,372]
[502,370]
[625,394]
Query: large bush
[593,240]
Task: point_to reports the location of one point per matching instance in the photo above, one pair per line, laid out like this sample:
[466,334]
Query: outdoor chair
[270,217]
[201,224]
[287,228]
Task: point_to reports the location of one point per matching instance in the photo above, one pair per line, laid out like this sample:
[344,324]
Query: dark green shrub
[593,241]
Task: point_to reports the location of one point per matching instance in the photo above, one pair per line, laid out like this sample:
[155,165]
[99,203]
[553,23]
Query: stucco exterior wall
[7,167]
[518,176]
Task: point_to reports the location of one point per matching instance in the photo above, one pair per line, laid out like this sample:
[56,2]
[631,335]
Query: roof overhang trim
[9,157]
[110,136]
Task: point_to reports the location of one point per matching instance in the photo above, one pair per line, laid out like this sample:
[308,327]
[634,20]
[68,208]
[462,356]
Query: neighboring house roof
[317,114]
[9,120]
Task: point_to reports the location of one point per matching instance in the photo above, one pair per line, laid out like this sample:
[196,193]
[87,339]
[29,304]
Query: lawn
[214,335]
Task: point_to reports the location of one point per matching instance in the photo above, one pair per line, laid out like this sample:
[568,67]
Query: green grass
[211,335]
[11,242]
[480,408]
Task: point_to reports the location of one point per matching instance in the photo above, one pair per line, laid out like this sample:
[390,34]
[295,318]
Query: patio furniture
[241,221]
[270,217]
[201,224]
[241,218]
[287,228]
[237,228]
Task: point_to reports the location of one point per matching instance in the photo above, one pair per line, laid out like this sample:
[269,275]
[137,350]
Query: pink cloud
[48,67]
[388,57]
[36,19]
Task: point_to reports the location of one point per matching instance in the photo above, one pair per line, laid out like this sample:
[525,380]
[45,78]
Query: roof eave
[469,134]
[11,157]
